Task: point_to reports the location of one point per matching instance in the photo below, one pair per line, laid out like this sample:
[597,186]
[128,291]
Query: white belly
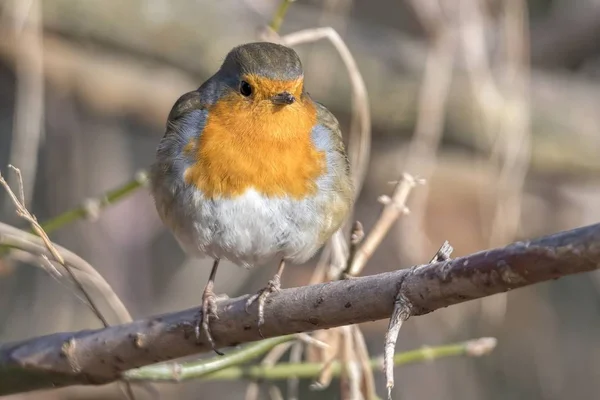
[251,229]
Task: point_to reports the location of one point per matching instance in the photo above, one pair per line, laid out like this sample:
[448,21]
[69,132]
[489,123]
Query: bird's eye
[245,88]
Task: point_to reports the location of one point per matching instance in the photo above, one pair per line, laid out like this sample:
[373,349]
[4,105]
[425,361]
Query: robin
[251,169]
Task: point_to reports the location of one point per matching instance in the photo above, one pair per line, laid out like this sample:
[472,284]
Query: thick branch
[99,356]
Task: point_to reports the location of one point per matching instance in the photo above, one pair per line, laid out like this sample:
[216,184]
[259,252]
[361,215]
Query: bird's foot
[273,286]
[209,310]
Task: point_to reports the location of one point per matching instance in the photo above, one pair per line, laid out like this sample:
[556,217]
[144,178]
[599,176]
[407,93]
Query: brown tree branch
[100,356]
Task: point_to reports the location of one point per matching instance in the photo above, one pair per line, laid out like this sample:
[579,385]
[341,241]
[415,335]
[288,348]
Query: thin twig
[279,16]
[513,136]
[178,372]
[293,383]
[443,253]
[253,389]
[91,208]
[357,235]
[324,355]
[281,371]
[275,393]
[393,208]
[29,102]
[367,373]
[431,113]
[349,378]
[402,311]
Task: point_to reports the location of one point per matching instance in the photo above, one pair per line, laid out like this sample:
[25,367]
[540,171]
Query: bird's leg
[209,308]
[273,286]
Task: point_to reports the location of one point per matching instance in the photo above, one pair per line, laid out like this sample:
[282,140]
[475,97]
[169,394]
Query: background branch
[100,356]
[281,371]
[475,348]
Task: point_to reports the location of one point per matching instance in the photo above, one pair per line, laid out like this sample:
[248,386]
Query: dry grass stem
[350,376]
[275,393]
[308,339]
[328,358]
[31,244]
[22,212]
[293,383]
[367,373]
[253,389]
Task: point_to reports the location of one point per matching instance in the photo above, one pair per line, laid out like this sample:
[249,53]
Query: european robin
[251,169]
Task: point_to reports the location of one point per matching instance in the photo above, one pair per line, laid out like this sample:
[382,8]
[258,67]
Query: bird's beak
[283,98]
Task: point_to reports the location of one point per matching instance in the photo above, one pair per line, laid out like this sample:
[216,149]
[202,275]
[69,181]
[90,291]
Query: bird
[251,169]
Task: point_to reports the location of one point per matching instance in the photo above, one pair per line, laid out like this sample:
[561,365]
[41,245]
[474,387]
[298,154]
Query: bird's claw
[209,310]
[273,286]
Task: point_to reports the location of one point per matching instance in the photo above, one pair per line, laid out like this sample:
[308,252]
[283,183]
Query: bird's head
[263,74]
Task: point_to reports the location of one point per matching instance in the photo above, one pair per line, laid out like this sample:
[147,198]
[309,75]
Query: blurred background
[494,102]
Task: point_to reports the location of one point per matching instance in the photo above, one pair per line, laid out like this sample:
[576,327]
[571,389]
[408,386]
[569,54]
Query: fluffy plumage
[246,179]
[251,169]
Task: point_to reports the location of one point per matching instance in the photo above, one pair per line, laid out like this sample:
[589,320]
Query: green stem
[280,15]
[107,199]
[283,371]
[84,210]
[180,372]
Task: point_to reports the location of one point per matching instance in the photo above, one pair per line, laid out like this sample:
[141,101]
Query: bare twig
[349,378]
[443,253]
[357,235]
[368,379]
[504,109]
[393,208]
[29,107]
[402,311]
[275,393]
[513,136]
[431,113]
[426,288]
[327,357]
[280,15]
[293,383]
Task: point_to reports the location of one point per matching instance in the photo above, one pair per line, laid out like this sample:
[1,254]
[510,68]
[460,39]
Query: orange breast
[258,145]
